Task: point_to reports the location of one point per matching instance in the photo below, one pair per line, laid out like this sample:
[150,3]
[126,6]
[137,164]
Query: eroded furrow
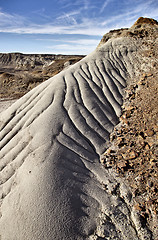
[51,181]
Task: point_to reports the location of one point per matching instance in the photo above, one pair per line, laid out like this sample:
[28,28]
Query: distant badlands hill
[78,153]
[19,72]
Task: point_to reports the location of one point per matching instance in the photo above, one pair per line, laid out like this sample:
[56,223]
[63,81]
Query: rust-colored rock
[130,155]
[149,21]
[149,132]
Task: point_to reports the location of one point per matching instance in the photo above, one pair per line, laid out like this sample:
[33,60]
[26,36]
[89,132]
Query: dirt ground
[133,153]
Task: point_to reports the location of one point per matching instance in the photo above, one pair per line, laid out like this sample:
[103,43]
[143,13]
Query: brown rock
[155,127]
[147,147]
[128,113]
[141,82]
[119,157]
[130,155]
[124,120]
[130,108]
[149,132]
[137,207]
[119,140]
[122,164]
[140,142]
[149,21]
[149,74]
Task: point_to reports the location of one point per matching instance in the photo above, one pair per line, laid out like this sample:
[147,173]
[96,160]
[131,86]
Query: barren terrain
[104,108]
[19,73]
[134,143]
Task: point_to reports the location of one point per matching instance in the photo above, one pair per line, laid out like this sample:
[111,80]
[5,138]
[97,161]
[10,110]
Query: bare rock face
[52,182]
[142,28]
[146,21]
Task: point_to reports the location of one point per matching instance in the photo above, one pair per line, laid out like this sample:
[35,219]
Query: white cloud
[86,4]
[81,4]
[80,46]
[84,42]
[127,18]
[104,5]
[68,18]
[7,19]
[42,13]
[69,14]
[72,49]
[51,29]
[74,22]
[87,26]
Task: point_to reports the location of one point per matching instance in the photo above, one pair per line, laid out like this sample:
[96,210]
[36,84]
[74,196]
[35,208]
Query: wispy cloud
[69,17]
[104,5]
[64,24]
[86,4]
[7,19]
[41,13]
[72,49]
[74,22]
[127,18]
[84,41]
[69,14]
[51,29]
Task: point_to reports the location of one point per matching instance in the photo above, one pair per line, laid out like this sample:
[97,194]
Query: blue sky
[65,26]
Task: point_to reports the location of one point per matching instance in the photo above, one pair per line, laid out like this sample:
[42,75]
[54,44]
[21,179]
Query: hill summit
[142,28]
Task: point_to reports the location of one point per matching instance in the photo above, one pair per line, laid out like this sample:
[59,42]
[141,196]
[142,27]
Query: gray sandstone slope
[52,184]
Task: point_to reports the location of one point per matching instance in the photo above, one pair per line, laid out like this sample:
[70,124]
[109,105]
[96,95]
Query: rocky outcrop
[142,28]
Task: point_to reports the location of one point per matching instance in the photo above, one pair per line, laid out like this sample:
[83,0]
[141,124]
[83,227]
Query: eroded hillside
[133,152]
[19,73]
[104,108]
